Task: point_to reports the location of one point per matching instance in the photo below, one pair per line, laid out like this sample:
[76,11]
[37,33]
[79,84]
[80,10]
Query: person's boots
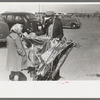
[11,76]
[20,77]
[16,78]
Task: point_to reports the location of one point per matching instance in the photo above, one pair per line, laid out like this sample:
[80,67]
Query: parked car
[28,20]
[4,30]
[73,23]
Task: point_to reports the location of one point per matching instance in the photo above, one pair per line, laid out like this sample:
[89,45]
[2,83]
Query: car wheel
[73,26]
[79,27]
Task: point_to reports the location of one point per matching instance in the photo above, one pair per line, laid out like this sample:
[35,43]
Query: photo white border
[49,89]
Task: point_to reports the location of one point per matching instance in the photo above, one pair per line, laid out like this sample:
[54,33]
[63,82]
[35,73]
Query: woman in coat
[16,58]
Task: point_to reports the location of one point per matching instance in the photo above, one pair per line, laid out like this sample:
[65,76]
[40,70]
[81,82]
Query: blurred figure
[31,50]
[53,28]
[16,58]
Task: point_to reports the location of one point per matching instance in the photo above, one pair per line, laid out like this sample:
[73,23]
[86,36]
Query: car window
[10,17]
[30,16]
[25,19]
[18,18]
[4,16]
[1,18]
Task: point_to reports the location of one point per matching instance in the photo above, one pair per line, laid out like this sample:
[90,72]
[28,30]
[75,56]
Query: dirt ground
[82,63]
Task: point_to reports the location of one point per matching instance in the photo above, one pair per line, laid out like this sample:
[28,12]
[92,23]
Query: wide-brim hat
[49,13]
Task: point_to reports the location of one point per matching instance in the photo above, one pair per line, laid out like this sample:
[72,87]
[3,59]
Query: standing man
[53,28]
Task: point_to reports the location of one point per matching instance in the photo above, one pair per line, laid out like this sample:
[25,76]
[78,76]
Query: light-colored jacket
[16,58]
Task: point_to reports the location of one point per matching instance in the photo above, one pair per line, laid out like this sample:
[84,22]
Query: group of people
[17,58]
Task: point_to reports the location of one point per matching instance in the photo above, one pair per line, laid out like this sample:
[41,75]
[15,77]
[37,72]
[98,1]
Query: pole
[39,11]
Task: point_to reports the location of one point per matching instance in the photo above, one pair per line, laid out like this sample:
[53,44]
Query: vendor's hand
[40,27]
[56,39]
[25,34]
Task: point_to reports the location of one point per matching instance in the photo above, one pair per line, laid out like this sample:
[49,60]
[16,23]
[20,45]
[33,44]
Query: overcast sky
[57,7]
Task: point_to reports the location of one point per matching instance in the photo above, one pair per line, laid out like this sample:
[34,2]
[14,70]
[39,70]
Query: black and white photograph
[49,41]
[49,49]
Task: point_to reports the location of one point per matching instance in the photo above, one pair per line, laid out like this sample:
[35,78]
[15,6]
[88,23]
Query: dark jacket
[57,29]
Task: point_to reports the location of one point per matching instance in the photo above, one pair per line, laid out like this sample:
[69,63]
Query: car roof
[69,18]
[19,13]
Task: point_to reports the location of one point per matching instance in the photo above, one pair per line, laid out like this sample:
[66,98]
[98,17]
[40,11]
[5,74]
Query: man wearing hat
[53,28]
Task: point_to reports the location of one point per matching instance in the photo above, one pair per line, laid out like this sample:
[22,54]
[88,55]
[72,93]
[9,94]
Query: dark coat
[57,28]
